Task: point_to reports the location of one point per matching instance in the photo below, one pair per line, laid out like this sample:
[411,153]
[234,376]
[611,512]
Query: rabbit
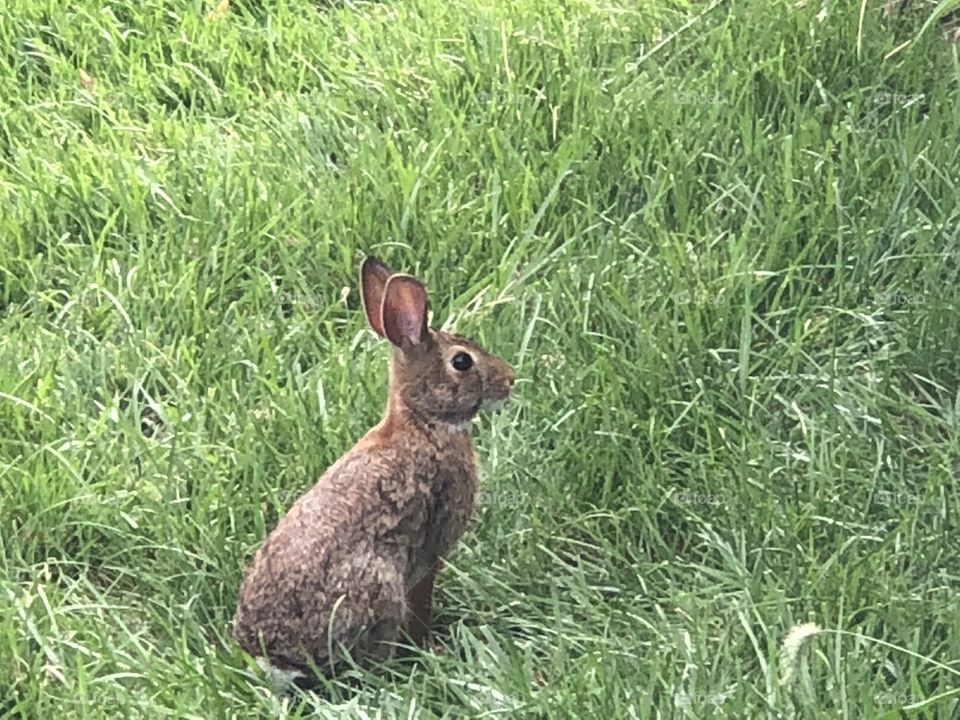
[351,566]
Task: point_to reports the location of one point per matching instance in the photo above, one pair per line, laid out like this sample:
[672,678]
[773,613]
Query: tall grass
[720,248]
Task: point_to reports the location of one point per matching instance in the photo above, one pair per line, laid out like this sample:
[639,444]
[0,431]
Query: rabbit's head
[434,374]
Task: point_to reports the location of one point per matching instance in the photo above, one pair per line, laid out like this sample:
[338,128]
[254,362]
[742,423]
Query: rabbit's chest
[449,508]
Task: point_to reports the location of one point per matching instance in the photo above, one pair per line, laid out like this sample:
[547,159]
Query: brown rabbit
[352,564]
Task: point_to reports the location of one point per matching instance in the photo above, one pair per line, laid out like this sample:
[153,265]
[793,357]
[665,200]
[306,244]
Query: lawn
[718,242]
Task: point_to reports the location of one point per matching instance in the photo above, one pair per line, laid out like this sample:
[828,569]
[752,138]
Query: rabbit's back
[345,555]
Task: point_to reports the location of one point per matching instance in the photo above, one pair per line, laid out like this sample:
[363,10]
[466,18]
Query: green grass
[725,268]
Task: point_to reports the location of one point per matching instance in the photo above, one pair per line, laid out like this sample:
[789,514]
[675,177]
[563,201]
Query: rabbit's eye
[462,362]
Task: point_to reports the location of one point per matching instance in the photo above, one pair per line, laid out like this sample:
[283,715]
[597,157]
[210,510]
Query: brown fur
[352,563]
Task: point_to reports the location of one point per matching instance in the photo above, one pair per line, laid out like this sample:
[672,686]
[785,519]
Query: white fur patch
[278,676]
[455,428]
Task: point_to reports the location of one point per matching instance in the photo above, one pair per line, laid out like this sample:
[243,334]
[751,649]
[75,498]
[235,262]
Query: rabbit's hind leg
[381,607]
[420,616]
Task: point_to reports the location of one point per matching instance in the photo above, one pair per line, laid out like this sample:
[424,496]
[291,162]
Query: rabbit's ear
[405,311]
[373,278]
